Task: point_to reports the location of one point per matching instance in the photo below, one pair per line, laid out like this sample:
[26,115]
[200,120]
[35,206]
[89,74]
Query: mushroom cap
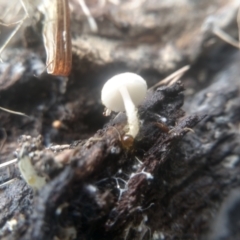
[111,96]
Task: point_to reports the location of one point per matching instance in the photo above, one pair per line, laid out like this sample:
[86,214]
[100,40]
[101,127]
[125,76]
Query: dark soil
[180,177]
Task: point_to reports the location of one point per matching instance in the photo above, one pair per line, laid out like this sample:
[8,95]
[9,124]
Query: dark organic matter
[179,179]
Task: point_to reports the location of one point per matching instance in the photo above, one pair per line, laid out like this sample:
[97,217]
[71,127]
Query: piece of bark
[95,167]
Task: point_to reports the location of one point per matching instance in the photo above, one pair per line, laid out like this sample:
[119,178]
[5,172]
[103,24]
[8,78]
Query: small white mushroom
[122,92]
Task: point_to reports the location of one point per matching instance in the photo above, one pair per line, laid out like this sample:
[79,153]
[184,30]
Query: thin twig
[15,30]
[172,78]
[2,165]
[8,182]
[25,8]
[14,112]
[225,37]
[10,24]
[10,37]
[91,20]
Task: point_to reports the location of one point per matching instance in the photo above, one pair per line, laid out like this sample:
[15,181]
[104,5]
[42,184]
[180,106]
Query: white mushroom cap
[124,92]
[135,85]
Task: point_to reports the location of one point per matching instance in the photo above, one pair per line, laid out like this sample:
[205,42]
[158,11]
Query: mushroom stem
[131,112]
